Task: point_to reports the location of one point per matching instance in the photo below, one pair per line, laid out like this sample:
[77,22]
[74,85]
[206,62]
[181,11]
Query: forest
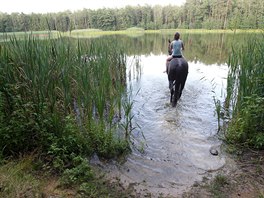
[194,14]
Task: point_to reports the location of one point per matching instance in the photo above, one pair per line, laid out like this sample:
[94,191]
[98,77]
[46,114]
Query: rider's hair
[177,36]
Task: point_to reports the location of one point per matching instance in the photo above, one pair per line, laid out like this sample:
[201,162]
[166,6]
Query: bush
[23,130]
[79,174]
[248,125]
[20,130]
[106,144]
[62,148]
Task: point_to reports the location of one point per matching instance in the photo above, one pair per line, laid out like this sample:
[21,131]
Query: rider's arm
[171,46]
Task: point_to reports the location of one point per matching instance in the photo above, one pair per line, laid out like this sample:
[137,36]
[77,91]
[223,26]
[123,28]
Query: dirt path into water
[246,180]
[243,179]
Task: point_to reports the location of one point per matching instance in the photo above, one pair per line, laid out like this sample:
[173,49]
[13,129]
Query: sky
[46,6]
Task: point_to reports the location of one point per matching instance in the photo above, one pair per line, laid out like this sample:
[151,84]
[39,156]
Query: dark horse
[177,75]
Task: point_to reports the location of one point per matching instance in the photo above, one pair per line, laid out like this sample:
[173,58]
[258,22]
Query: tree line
[194,14]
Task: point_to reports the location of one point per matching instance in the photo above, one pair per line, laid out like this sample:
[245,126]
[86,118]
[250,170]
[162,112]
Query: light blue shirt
[177,47]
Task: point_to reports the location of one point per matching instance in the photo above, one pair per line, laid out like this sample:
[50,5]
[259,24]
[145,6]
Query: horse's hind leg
[183,80]
[177,93]
[180,91]
[171,90]
[182,84]
[170,85]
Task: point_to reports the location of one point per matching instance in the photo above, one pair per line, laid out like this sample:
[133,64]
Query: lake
[175,150]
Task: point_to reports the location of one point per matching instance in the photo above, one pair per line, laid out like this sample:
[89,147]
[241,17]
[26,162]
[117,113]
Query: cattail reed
[245,94]
[59,79]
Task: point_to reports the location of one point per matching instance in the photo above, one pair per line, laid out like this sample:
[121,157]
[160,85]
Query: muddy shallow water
[177,143]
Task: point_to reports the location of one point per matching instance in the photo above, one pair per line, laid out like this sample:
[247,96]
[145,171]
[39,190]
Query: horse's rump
[177,69]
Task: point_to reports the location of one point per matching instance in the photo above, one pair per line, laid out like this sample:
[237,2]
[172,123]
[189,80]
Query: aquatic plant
[60,97]
[245,94]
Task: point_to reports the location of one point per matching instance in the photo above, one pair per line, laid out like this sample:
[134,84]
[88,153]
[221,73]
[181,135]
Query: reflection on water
[178,139]
[206,48]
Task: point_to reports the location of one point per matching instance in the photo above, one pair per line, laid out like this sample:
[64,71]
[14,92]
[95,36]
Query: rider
[176,46]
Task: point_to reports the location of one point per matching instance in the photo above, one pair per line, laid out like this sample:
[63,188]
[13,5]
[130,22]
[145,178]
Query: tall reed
[61,86]
[245,94]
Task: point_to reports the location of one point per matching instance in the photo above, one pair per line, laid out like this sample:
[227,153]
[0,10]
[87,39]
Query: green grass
[23,35]
[137,32]
[93,33]
[21,178]
[132,32]
[17,180]
[31,32]
[135,29]
[218,187]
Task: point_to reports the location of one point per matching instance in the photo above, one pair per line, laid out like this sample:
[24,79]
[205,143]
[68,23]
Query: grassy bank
[92,33]
[63,100]
[19,178]
[140,31]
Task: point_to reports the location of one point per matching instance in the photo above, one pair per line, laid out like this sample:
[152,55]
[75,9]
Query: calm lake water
[176,150]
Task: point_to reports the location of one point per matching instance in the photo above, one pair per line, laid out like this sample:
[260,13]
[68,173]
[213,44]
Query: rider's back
[177,47]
